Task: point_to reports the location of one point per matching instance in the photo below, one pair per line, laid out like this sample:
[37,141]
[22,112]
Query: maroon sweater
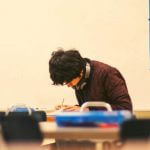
[105,83]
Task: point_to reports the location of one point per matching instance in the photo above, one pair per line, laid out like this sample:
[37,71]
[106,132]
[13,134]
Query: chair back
[21,128]
[39,115]
[135,129]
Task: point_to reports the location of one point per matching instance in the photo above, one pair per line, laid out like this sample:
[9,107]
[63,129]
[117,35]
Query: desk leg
[115,145]
[75,145]
[106,146]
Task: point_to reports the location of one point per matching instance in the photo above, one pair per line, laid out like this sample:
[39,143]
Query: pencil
[62,103]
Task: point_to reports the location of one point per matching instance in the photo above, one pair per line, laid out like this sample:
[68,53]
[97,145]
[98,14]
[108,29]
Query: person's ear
[81,73]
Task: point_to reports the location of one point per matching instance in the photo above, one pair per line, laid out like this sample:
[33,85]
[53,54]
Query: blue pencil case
[93,118]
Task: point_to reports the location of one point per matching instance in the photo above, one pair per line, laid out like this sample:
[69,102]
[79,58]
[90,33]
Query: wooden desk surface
[50,130]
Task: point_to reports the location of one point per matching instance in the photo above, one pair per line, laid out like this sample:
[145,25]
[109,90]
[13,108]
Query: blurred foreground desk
[80,137]
[50,130]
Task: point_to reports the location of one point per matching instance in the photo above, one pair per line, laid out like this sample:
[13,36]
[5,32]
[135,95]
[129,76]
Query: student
[92,80]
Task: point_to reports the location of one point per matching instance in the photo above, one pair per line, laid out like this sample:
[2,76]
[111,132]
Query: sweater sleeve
[117,92]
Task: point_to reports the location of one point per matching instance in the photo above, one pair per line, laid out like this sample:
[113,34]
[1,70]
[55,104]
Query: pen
[62,103]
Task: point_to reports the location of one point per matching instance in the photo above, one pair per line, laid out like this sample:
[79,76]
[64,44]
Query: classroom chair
[21,128]
[135,129]
[38,115]
[2,115]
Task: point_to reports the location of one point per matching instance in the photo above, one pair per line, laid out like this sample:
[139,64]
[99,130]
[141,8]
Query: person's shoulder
[98,65]
[104,70]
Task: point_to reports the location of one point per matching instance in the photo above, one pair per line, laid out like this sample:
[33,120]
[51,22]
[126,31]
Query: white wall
[112,31]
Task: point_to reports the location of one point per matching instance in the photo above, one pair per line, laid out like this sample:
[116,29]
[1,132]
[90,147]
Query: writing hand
[58,107]
[73,108]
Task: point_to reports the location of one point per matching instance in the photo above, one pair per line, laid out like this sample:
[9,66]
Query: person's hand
[68,108]
[58,107]
[73,108]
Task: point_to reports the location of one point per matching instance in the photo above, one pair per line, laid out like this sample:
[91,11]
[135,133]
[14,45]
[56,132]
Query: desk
[50,130]
[78,137]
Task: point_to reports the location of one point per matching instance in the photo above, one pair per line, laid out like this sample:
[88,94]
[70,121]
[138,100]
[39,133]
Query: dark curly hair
[65,66]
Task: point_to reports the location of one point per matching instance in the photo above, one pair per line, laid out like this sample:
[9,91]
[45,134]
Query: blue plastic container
[92,118]
[20,108]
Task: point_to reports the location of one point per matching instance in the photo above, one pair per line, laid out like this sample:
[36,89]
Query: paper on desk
[54,112]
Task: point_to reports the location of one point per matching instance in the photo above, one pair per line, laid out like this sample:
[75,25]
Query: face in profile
[74,81]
